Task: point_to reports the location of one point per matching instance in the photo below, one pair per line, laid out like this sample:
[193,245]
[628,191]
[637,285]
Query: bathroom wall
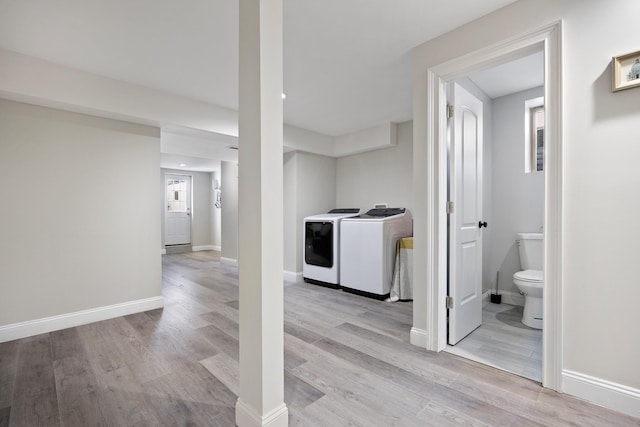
[518,197]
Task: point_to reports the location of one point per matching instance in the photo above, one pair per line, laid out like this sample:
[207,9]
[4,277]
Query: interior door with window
[465,222]
[178,210]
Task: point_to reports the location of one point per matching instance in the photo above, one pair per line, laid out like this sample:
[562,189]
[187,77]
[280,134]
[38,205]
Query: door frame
[548,39]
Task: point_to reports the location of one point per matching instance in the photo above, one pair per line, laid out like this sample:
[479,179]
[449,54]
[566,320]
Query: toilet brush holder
[496,298]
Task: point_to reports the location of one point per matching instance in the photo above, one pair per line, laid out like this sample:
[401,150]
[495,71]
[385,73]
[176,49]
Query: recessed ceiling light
[183,165]
[284,95]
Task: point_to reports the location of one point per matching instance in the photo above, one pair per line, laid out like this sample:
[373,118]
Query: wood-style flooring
[504,342]
[348,362]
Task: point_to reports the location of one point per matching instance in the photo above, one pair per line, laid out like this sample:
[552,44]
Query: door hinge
[449,303]
[450,110]
[449,207]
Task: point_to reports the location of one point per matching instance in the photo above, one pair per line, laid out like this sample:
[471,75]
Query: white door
[465,223]
[178,210]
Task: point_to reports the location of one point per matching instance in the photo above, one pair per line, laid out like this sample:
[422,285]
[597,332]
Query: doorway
[502,152]
[177,230]
[432,313]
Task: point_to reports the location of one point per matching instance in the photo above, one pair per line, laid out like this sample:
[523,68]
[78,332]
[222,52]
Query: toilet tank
[531,251]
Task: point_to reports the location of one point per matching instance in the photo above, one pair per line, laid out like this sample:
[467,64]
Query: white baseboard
[290,276]
[55,323]
[163,251]
[204,248]
[418,337]
[485,298]
[229,261]
[216,248]
[508,297]
[247,417]
[614,396]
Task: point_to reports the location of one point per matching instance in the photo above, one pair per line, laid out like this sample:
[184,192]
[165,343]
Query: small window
[176,195]
[534,135]
[537,138]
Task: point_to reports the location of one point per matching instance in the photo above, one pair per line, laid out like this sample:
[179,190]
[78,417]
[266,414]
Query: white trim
[216,248]
[611,395]
[529,104]
[550,37]
[508,297]
[54,323]
[418,337]
[247,417]
[203,248]
[486,298]
[229,261]
[553,216]
[290,276]
[163,251]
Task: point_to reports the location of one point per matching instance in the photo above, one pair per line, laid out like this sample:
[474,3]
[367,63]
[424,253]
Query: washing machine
[368,250]
[321,261]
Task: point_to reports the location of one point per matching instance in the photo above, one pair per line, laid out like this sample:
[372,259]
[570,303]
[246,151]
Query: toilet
[529,281]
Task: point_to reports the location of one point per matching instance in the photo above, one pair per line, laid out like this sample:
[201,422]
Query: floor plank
[8,366]
[5,414]
[34,401]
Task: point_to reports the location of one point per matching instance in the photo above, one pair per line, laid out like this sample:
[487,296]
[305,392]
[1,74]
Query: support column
[260,214]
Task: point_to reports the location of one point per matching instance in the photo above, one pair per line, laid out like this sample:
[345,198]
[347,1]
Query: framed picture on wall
[626,71]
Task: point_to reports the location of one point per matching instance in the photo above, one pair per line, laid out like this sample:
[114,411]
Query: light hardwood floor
[348,361]
[504,342]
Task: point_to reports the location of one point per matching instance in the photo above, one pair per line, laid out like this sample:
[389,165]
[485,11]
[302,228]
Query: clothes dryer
[367,250]
[321,260]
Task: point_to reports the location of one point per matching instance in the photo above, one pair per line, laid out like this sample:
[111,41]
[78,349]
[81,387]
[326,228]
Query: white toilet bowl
[530,284]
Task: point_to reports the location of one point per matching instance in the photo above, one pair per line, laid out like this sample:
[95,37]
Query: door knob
[482,224]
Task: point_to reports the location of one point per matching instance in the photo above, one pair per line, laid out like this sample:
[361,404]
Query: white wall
[292,234]
[518,197]
[202,205]
[309,189]
[26,78]
[82,230]
[381,176]
[229,211]
[216,213]
[601,148]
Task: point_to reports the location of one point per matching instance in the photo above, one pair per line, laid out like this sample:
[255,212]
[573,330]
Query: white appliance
[368,249]
[320,253]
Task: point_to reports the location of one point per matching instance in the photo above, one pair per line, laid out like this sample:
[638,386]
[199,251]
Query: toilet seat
[529,276]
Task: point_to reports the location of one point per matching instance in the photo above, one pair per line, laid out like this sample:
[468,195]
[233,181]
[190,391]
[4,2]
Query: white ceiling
[347,63]
[511,77]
